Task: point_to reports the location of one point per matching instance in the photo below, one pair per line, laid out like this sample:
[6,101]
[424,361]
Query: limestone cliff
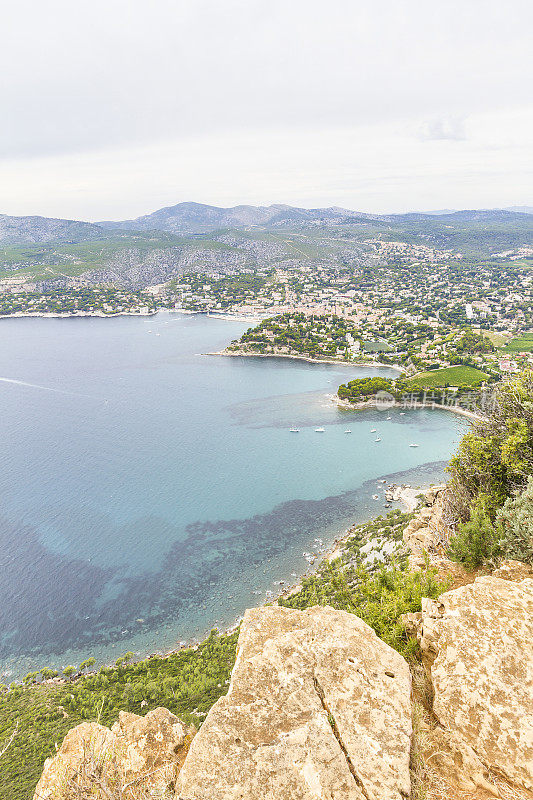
[319,708]
[478,642]
[138,757]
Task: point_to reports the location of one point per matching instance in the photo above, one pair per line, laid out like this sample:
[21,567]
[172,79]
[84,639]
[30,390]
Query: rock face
[146,752]
[427,531]
[478,640]
[318,707]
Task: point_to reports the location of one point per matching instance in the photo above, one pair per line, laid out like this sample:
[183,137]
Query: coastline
[65,315]
[338,362]
[341,537]
[101,314]
[405,494]
[417,405]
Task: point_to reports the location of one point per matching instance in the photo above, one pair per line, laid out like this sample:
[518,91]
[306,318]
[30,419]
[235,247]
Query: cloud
[377,168]
[119,106]
[443,128]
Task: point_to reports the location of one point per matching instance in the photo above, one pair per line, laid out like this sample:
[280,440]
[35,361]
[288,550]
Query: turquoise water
[149,492]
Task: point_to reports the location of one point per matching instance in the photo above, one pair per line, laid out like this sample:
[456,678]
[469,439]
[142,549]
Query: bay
[149,492]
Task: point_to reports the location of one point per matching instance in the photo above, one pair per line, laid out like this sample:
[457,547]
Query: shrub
[476,541]
[496,457]
[516,525]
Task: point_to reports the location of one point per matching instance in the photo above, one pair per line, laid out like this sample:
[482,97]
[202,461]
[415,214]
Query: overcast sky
[113,108]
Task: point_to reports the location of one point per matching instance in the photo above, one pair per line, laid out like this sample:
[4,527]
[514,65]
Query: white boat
[319,430]
[347,430]
[375,497]
[402,413]
[389,417]
[377,440]
[414,445]
[294,430]
[373,430]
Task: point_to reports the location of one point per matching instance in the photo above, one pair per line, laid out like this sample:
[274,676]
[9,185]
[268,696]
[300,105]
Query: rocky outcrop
[427,533]
[477,641]
[137,753]
[318,707]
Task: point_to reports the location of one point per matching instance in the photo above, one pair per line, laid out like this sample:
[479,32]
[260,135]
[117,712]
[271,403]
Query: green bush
[515,521]
[477,541]
[496,457]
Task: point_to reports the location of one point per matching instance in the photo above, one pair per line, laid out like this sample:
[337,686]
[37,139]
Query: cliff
[320,708]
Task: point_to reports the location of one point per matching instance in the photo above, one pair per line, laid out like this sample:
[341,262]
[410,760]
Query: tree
[69,671]
[31,677]
[496,457]
[47,673]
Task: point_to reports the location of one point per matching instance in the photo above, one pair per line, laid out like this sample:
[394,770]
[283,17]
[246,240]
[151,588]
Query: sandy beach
[372,404]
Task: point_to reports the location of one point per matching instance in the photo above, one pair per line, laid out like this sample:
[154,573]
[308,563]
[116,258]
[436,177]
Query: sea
[150,492]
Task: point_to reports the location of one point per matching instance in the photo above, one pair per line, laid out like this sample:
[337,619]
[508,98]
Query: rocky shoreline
[65,315]
[338,362]
[368,404]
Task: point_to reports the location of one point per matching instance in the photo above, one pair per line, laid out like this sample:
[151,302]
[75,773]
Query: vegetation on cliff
[374,583]
[490,486]
[187,683]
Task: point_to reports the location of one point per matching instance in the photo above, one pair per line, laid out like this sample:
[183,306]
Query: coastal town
[438,315]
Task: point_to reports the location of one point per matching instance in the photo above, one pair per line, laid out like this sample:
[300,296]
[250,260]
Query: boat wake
[43,388]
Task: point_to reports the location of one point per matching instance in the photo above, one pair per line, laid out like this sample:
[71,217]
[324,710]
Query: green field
[497,339]
[448,376]
[376,347]
[520,343]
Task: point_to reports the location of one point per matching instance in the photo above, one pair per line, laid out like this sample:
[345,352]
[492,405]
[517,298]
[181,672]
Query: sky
[113,109]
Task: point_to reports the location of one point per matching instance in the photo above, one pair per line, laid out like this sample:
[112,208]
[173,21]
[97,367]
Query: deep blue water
[148,492]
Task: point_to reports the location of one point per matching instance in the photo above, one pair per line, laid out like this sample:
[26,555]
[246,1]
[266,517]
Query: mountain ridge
[191,217]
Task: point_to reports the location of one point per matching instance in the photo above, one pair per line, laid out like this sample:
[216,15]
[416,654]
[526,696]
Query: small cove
[150,492]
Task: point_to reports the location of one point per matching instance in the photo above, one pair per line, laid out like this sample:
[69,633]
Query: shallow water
[149,492]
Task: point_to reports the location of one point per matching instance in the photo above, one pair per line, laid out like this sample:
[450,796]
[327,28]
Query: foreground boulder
[138,754]
[318,707]
[478,643]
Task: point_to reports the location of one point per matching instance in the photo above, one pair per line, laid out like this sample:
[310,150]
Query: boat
[319,430]
[402,413]
[375,497]
[347,430]
[294,430]
[377,440]
[389,417]
[373,430]
[414,445]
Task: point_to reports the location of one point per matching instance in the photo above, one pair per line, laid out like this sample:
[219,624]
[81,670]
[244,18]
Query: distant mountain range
[36,230]
[196,217]
[516,209]
[191,218]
